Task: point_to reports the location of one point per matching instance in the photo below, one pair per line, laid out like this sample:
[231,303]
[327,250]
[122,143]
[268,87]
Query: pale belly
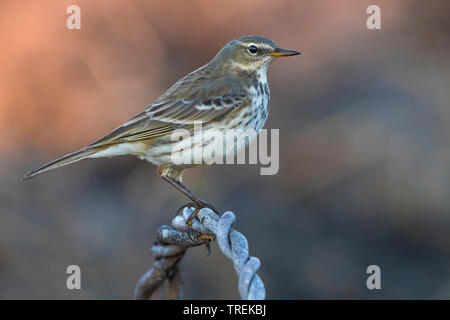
[203,144]
[212,143]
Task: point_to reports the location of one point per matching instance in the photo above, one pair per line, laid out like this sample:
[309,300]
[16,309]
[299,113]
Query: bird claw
[198,206]
[207,237]
[187,205]
[189,221]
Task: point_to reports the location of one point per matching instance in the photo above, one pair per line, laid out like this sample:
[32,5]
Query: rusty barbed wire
[172,243]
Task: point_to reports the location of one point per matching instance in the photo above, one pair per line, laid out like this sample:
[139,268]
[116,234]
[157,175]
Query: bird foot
[198,205]
[207,237]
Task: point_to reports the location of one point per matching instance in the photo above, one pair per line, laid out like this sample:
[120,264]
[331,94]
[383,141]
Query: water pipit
[229,92]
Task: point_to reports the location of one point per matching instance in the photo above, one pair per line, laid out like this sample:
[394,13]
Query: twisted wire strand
[172,243]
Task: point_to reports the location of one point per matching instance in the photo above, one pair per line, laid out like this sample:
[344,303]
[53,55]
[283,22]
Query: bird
[229,92]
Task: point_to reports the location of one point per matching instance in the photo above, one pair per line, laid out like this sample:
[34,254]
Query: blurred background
[364,121]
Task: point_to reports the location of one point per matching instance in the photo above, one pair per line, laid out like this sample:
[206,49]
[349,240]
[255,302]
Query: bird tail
[68,159]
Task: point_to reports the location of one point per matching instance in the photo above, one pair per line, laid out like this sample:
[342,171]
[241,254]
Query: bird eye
[252,49]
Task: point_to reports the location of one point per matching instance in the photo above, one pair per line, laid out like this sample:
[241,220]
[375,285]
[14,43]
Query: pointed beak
[280,52]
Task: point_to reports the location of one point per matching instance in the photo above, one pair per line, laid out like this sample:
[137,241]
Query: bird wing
[194,98]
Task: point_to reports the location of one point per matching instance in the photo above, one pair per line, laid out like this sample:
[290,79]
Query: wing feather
[194,98]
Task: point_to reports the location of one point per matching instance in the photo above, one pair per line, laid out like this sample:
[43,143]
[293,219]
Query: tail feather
[68,159]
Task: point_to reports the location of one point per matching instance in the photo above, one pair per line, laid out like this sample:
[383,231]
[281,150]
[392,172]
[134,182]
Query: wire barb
[172,243]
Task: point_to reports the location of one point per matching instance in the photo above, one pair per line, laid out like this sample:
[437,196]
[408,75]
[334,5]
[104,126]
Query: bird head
[251,53]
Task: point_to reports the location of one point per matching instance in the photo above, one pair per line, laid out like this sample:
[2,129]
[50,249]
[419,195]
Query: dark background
[364,121]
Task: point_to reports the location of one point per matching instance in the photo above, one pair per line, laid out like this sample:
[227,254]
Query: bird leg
[196,201]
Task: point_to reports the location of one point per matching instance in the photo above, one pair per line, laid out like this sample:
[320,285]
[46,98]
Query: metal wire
[172,243]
